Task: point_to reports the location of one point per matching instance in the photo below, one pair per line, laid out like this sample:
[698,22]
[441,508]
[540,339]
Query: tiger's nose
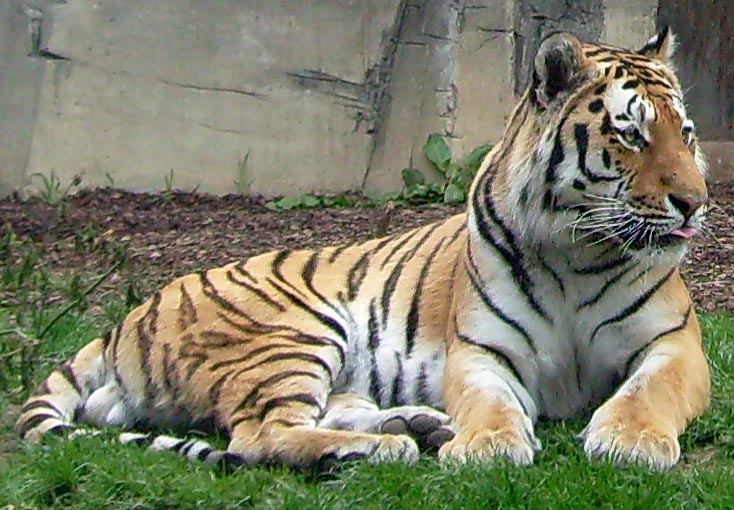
[687,204]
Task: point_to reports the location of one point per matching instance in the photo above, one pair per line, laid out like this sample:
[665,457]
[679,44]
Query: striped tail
[192,449]
[58,402]
[84,390]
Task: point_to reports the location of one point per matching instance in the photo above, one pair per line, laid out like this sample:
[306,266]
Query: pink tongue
[685,232]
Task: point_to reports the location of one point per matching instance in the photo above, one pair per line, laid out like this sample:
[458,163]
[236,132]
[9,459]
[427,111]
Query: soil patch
[170,234]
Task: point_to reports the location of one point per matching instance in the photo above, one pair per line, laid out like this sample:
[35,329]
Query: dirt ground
[169,234]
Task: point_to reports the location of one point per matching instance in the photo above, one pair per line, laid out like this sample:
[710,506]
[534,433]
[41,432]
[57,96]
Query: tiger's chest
[592,332]
[571,341]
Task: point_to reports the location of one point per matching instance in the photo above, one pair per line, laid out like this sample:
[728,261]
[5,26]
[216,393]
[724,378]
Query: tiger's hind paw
[384,448]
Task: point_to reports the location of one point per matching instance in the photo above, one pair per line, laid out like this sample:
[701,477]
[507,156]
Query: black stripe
[604,266]
[277,262]
[112,352]
[501,356]
[241,269]
[559,282]
[358,271]
[557,155]
[319,341]
[337,251]
[373,342]
[190,350]
[258,292]
[142,440]
[41,403]
[631,101]
[251,398]
[249,355]
[596,106]
[392,279]
[220,339]
[600,293]
[187,314]
[289,356]
[581,135]
[422,395]
[634,306]
[512,256]
[169,370]
[294,335]
[215,390]
[189,445]
[276,266]
[683,325]
[33,422]
[356,275]
[68,373]
[106,339]
[606,125]
[300,398]
[487,300]
[400,242]
[606,158]
[322,318]
[146,328]
[307,274]
[177,447]
[397,383]
[203,453]
[253,328]
[411,323]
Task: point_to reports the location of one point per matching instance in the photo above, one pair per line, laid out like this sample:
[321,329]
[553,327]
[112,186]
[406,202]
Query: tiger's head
[600,149]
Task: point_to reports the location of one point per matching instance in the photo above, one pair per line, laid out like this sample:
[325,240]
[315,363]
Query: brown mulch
[171,234]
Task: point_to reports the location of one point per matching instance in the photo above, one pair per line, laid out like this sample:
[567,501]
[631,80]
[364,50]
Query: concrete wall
[325,96]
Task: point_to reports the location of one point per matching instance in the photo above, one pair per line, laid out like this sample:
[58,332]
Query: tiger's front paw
[626,438]
[516,442]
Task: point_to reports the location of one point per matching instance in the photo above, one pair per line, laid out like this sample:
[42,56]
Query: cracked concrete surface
[325,96]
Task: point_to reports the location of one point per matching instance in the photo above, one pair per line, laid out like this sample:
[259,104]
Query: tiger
[556,295]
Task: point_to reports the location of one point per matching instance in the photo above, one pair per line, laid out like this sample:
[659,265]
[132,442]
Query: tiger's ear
[660,47]
[558,67]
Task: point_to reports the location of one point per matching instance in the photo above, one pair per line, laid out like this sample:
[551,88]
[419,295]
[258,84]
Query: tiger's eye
[632,136]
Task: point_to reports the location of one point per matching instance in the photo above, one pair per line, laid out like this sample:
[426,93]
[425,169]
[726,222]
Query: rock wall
[267,96]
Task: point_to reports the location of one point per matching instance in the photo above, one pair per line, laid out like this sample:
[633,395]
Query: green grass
[96,473]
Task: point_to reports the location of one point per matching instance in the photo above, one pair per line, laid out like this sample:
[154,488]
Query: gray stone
[275,97]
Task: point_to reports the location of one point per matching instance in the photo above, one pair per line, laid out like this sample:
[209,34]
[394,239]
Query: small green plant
[32,301]
[455,178]
[168,182]
[85,240]
[52,191]
[110,180]
[312,201]
[243,181]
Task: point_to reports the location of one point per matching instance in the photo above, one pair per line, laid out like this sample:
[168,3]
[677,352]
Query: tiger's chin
[666,248]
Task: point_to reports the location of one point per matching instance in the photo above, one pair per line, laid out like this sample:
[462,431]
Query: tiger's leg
[491,410]
[348,411]
[667,389]
[276,418]
[289,435]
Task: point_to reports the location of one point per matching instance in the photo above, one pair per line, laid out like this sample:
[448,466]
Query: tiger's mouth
[636,240]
